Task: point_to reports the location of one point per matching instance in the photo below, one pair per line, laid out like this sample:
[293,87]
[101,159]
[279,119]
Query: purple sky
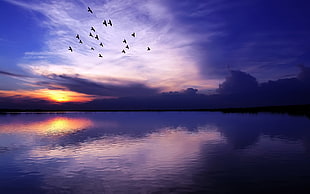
[194,44]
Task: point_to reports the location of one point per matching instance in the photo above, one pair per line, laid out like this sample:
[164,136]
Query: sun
[56,96]
[59,96]
[65,96]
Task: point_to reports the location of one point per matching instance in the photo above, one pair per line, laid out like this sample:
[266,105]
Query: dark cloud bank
[98,89]
[240,89]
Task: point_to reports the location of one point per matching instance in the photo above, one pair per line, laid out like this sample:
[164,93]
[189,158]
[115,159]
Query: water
[154,152]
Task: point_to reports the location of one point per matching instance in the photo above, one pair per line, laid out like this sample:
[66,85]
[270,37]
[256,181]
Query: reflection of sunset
[66,125]
[54,126]
[50,95]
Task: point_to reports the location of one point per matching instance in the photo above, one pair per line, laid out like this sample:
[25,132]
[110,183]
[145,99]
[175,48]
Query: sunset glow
[66,96]
[57,96]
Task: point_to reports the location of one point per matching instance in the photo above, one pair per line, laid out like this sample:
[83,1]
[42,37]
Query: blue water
[154,152]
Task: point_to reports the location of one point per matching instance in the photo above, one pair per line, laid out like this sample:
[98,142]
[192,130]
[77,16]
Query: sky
[199,47]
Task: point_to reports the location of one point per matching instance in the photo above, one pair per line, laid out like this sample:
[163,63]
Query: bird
[127,46]
[105,23]
[124,41]
[123,51]
[97,37]
[89,10]
[101,44]
[110,22]
[148,48]
[133,34]
[90,34]
[93,29]
[92,48]
[100,55]
[77,36]
[70,48]
[80,42]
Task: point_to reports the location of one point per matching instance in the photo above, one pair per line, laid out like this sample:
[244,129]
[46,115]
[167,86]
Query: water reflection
[171,152]
[161,155]
[52,126]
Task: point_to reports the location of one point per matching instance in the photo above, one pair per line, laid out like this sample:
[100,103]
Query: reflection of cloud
[109,156]
[170,143]
[117,158]
[54,126]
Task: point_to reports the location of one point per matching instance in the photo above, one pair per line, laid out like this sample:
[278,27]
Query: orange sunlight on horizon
[56,96]
[66,96]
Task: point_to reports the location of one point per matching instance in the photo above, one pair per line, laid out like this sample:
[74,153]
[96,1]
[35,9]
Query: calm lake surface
[154,152]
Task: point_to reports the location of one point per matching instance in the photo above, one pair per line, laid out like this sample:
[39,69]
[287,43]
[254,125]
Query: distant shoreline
[290,109]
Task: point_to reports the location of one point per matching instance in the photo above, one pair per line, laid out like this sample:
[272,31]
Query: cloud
[266,45]
[19,102]
[195,39]
[304,75]
[238,82]
[192,42]
[99,89]
[241,89]
[238,90]
[12,74]
[156,26]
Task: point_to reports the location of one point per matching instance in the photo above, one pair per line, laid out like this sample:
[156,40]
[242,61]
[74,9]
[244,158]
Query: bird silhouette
[123,51]
[148,48]
[80,42]
[133,34]
[89,10]
[101,44]
[110,22]
[105,23]
[70,48]
[90,34]
[92,48]
[124,41]
[93,29]
[100,55]
[77,36]
[127,47]
[97,37]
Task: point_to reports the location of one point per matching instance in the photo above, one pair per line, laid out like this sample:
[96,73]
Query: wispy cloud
[12,74]
[165,66]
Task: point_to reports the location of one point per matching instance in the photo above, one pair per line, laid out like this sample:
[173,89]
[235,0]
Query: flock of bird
[95,36]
